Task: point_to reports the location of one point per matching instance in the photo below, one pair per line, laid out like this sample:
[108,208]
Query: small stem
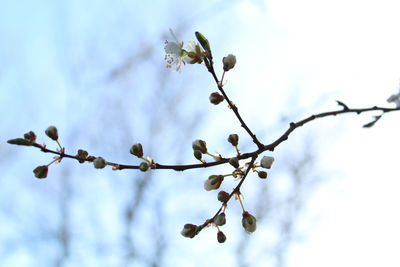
[59,145]
[214,157]
[56,159]
[222,79]
[148,161]
[237,150]
[234,108]
[240,200]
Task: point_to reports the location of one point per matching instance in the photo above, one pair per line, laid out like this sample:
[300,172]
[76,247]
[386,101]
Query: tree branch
[270,147]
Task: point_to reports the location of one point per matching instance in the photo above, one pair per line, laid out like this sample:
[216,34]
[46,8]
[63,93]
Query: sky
[294,59]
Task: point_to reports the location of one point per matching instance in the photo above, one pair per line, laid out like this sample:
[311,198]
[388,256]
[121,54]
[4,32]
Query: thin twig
[269,147]
[234,108]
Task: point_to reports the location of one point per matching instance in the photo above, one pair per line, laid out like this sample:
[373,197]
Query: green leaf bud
[20,142]
[203,41]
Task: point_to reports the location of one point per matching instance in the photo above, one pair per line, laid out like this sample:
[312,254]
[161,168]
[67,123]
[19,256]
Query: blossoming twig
[176,55]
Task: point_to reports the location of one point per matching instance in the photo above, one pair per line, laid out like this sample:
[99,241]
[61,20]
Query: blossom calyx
[194,54]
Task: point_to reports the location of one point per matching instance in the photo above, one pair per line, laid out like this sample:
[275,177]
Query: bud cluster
[266,162]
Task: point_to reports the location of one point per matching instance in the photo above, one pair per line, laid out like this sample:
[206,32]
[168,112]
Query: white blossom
[174,53]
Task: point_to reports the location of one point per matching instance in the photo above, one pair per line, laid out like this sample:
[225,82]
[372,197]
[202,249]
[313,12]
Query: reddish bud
[223,196]
[189,230]
[41,171]
[233,139]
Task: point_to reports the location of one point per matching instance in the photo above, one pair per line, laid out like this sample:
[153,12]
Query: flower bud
[189,230]
[221,237]
[31,136]
[223,196]
[220,219]
[233,139]
[266,162]
[262,174]
[249,222]
[197,154]
[82,155]
[213,182]
[234,162]
[137,150]
[41,171]
[199,145]
[52,133]
[229,62]
[143,166]
[216,98]
[99,163]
